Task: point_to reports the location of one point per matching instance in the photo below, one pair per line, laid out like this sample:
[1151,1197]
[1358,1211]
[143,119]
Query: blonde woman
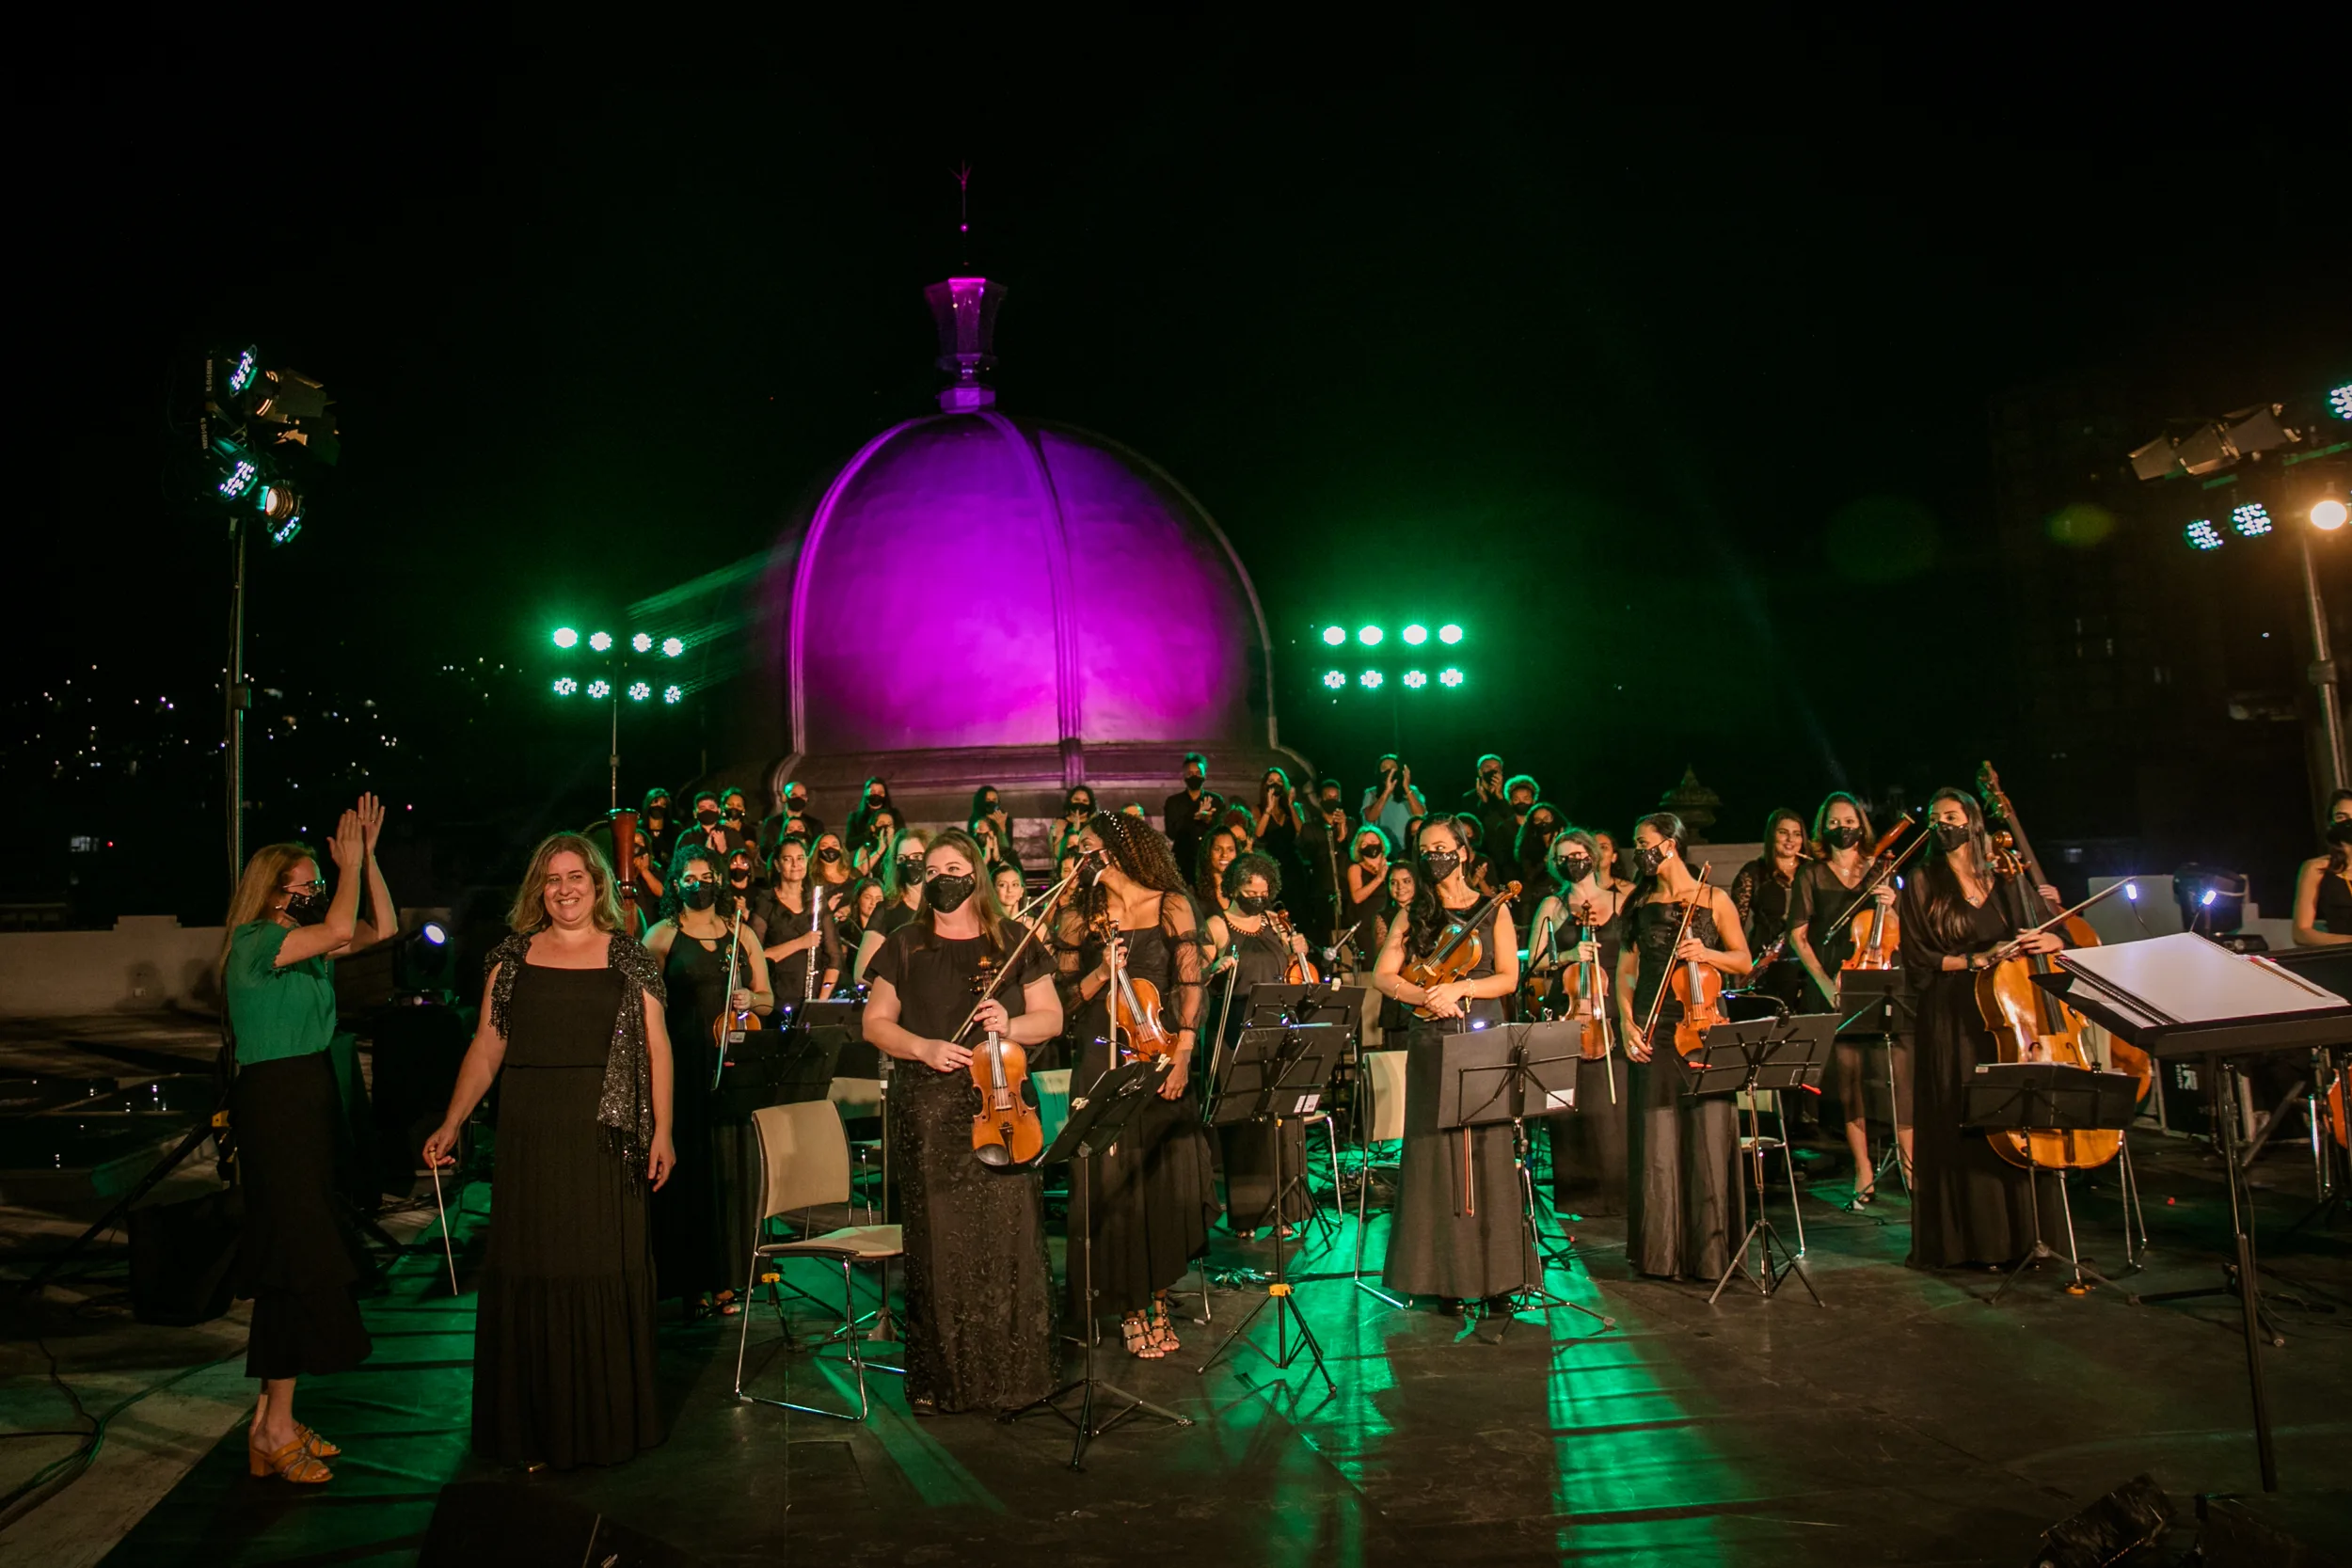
[296,1257]
[573,1014]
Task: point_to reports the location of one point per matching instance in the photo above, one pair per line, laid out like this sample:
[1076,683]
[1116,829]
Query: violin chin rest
[993,1155]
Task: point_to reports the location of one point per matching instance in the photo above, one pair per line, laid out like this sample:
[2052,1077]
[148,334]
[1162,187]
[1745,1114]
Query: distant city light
[1416,679]
[1369,680]
[1368,636]
[1416,634]
[1448,677]
[2202,535]
[566,637]
[1449,634]
[672,647]
[1335,635]
[2250,520]
[601,688]
[643,642]
[566,685]
[1335,678]
[600,641]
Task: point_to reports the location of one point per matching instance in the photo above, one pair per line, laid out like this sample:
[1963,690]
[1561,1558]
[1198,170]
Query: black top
[1654,923]
[1822,901]
[1765,900]
[1185,829]
[2333,904]
[1986,924]
[935,976]
[1489,1009]
[562,1018]
[779,923]
[1259,957]
[890,917]
[1168,954]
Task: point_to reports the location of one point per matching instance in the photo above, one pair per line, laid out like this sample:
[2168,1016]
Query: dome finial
[965,310]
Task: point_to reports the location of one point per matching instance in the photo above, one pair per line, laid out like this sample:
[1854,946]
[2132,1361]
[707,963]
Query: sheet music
[2187,978]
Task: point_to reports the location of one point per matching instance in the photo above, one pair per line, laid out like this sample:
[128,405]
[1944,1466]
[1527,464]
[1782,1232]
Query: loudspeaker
[182,1258]
[524,1527]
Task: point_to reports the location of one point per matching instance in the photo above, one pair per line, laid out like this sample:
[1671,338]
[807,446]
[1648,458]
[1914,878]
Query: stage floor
[1906,1421]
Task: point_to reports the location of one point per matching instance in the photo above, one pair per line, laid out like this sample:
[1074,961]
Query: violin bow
[1028,935]
[1876,882]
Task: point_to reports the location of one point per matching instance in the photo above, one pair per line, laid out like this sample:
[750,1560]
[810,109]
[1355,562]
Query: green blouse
[276,1011]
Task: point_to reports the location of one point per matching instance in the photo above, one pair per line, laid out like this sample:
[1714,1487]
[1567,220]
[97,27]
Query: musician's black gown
[1147,1200]
[1588,1143]
[979,1329]
[1684,1203]
[703,1216]
[1967,1204]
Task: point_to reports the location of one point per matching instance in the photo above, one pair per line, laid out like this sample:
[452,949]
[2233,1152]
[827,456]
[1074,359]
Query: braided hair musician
[979,1330]
[1587,1144]
[1264,951]
[1150,1195]
[1683,1199]
[1457,1234]
[1822,935]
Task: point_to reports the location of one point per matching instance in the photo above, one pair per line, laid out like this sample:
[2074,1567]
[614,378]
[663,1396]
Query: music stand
[1779,1055]
[1278,1073]
[1096,1122]
[1872,1005]
[2049,1097]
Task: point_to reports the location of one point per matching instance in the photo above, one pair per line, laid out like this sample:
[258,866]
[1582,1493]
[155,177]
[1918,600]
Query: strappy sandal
[319,1448]
[725,1306]
[1135,1334]
[293,1463]
[1164,1332]
[1864,1196]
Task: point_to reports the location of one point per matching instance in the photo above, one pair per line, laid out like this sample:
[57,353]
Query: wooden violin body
[1007,1132]
[1584,989]
[1877,935]
[1135,1007]
[627,845]
[1699,987]
[1297,970]
[1457,953]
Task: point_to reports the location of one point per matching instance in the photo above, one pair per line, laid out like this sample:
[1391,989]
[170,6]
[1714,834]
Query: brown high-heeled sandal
[1135,1334]
[319,1448]
[292,1463]
[1164,1332]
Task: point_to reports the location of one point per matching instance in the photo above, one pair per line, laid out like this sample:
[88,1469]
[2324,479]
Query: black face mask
[1368,852]
[875,802]
[740,875]
[910,869]
[1081,808]
[1439,863]
[829,854]
[2340,833]
[306,909]
[699,896]
[1649,859]
[1249,903]
[1575,868]
[948,892]
[1194,781]
[706,816]
[1842,837]
[1950,835]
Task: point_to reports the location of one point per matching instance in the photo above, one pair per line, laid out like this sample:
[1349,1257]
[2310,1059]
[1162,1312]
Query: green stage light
[1416,634]
[566,685]
[1371,680]
[601,688]
[672,647]
[1449,634]
[1334,678]
[639,692]
[643,642]
[1334,635]
[1368,636]
[2201,535]
[566,637]
[600,641]
[1415,680]
[2250,520]
[1448,677]
[672,693]
[239,473]
[2340,400]
[242,371]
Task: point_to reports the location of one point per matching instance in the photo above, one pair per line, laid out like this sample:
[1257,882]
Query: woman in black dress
[1458,1239]
[2323,887]
[804,956]
[1821,937]
[702,1222]
[1763,892]
[1683,1199]
[564,1352]
[980,1325]
[1968,1205]
[1149,1197]
[1259,957]
[1364,893]
[1587,1144]
[899,869]
[1275,825]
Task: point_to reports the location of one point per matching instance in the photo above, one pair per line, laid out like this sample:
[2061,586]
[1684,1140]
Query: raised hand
[349,847]
[371,815]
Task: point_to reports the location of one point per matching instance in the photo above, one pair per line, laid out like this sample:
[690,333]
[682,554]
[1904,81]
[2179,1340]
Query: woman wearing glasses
[296,1257]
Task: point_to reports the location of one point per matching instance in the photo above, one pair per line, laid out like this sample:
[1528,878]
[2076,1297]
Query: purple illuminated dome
[979,596]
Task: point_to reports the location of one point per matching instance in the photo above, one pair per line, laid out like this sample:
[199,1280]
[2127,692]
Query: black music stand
[1096,1122]
[2049,1097]
[1279,1073]
[1322,1002]
[2186,995]
[1507,1074]
[1778,1054]
[1872,1005]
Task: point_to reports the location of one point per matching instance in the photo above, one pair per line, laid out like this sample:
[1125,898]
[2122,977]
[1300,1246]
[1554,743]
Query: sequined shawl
[625,1108]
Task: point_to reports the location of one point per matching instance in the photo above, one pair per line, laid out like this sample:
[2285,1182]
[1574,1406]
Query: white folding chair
[1384,1122]
[805,1157]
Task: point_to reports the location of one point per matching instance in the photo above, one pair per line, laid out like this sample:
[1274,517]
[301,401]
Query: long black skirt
[1967,1204]
[1146,1204]
[1588,1144]
[563,1342]
[1459,1229]
[1249,1155]
[297,1258]
[1684,1203]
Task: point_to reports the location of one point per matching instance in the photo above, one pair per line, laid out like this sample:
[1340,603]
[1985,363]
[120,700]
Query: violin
[2030,1025]
[730,1026]
[1134,1005]
[1877,934]
[1458,950]
[1007,1132]
[1586,987]
[1698,986]
[1297,970]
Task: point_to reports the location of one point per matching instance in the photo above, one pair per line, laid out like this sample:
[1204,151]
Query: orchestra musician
[1260,956]
[701,1219]
[899,867]
[1365,895]
[1683,1199]
[1457,1234]
[1968,1206]
[1077,807]
[791,940]
[1763,892]
[1149,1199]
[1587,1144]
[980,1308]
[2323,887]
[1827,889]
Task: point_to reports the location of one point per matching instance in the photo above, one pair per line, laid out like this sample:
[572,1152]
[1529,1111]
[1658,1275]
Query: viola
[1135,1006]
[730,1026]
[1007,1132]
[1458,950]
[1877,934]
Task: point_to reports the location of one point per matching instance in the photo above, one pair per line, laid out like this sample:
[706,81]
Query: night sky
[1663,363]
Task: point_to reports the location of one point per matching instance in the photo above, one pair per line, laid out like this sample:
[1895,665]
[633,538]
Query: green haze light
[1334,678]
[1368,636]
[1415,680]
[601,688]
[1449,634]
[1334,635]
[1416,634]
[600,641]
[566,637]
[639,692]
[672,647]
[643,642]
[1448,677]
[1370,679]
[566,685]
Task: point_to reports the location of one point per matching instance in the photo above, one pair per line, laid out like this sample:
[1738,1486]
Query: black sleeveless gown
[564,1344]
[703,1217]
[1588,1143]
[1684,1203]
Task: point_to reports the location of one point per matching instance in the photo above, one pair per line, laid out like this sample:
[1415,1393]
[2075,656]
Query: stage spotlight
[1416,634]
[601,688]
[1415,679]
[2328,515]
[1334,679]
[1449,634]
[239,472]
[672,693]
[566,685]
[1369,680]
[1334,636]
[2202,535]
[434,933]
[241,370]
[600,641]
[639,692]
[2340,400]
[566,637]
[1448,677]
[2250,520]
[1368,636]
[672,647]
[641,643]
